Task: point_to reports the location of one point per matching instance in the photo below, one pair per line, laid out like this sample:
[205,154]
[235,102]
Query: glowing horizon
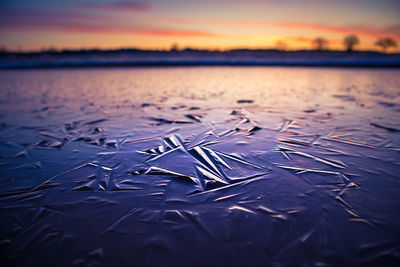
[156,24]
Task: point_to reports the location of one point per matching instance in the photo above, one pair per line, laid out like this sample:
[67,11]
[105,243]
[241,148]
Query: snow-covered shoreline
[138,58]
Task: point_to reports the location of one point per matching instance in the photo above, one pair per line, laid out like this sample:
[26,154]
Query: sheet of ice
[200,166]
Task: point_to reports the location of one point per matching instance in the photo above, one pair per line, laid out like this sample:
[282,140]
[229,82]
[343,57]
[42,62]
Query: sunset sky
[212,24]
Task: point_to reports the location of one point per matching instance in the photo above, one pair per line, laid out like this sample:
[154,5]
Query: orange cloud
[368,31]
[360,30]
[299,39]
[145,31]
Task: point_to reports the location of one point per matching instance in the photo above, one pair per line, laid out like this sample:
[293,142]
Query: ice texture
[206,166]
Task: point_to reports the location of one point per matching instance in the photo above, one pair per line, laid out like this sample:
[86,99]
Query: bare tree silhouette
[3,50]
[320,44]
[386,43]
[174,47]
[281,45]
[350,41]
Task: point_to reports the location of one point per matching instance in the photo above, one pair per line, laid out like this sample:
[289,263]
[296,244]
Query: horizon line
[55,50]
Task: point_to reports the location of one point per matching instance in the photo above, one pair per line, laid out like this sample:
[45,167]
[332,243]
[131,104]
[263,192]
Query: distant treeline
[190,51]
[351,41]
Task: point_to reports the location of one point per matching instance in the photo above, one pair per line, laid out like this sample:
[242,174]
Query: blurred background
[46,25]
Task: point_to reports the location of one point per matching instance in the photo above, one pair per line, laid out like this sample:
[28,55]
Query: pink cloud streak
[120,6]
[83,23]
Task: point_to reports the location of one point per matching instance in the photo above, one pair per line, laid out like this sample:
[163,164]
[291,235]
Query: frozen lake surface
[202,166]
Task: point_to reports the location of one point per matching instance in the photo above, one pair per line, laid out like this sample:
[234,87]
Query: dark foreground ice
[200,167]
